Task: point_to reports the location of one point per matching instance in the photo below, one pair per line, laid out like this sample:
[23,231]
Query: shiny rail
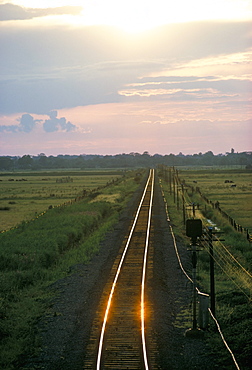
[122,340]
[144,275]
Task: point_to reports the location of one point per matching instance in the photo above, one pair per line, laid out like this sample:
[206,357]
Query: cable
[223,339]
[230,254]
[223,246]
[225,263]
[230,277]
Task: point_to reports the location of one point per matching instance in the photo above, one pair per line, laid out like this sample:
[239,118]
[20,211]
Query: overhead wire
[238,263]
[227,258]
[226,263]
[230,254]
[229,276]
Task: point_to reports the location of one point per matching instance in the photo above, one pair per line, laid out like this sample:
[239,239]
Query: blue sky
[97,78]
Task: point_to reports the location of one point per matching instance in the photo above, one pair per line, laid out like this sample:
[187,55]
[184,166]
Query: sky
[110,77]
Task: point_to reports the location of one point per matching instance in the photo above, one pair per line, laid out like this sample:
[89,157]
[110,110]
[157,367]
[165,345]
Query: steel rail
[105,319]
[143,277]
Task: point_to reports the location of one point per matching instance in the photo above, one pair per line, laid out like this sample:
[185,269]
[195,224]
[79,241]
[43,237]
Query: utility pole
[174,189]
[184,213]
[165,174]
[170,180]
[212,284]
[177,197]
[194,231]
[183,203]
[193,207]
[194,265]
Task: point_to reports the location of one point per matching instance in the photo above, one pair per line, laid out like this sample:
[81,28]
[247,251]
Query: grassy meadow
[24,195]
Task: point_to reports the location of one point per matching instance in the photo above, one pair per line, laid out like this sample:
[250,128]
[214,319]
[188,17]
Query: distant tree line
[83,161]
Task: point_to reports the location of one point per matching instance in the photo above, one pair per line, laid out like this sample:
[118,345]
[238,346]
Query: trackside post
[194,231]
[203,315]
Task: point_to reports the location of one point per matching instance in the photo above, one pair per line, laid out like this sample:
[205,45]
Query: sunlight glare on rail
[99,355]
[143,278]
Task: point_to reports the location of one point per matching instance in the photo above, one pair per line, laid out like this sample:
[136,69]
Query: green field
[24,195]
[235,201]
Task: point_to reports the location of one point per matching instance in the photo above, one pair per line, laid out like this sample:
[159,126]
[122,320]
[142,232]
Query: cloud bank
[177,88]
[27,123]
[51,68]
[55,124]
[10,11]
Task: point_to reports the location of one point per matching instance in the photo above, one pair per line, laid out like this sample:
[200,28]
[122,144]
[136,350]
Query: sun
[134,16]
[140,15]
[131,16]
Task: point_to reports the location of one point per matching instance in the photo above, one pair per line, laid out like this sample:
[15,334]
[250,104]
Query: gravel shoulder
[65,330]
[172,297]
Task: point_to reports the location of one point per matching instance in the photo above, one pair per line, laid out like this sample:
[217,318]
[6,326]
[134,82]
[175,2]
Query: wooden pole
[212,283]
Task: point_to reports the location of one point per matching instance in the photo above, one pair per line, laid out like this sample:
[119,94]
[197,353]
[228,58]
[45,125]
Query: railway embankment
[65,331]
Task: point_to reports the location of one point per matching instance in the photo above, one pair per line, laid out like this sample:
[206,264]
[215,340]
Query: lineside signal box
[194,228]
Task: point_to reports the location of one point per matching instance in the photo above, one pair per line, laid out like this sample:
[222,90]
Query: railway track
[121,336]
